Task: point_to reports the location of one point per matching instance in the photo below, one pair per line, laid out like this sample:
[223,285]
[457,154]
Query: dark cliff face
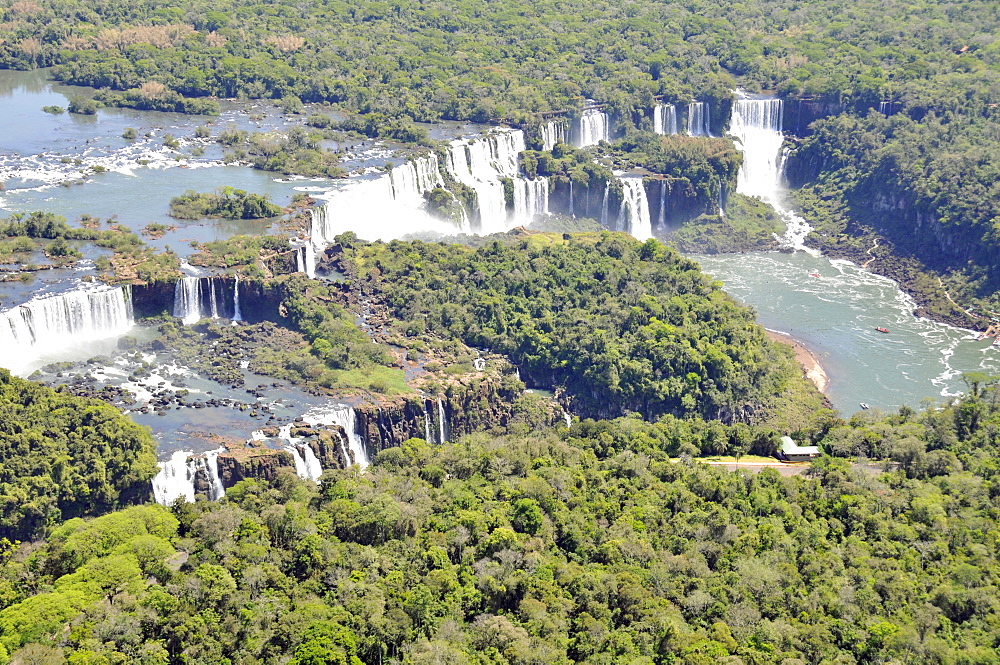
[331,449]
[262,464]
[677,197]
[800,112]
[257,301]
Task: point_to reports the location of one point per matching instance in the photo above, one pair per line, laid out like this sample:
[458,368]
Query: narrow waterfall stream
[833,306]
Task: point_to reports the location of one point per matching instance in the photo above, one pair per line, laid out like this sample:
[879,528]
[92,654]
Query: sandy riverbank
[810,364]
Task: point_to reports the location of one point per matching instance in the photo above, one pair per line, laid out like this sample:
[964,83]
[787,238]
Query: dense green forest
[62,456]
[490,61]
[588,544]
[621,326]
[225,202]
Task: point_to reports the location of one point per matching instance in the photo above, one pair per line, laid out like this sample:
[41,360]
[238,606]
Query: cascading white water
[428,437]
[592,127]
[665,119]
[699,119]
[480,164]
[210,463]
[662,219]
[389,206]
[176,477]
[442,422]
[295,451]
[633,215]
[346,418]
[568,418]
[197,298]
[393,205]
[50,324]
[572,213]
[305,256]
[756,123]
[313,468]
[187,300]
[552,132]
[531,198]
[237,313]
[604,205]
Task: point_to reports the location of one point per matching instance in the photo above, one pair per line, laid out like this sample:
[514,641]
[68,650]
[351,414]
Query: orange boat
[882,330]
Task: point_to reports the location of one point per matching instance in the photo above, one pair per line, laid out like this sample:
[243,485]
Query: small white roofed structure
[792,452]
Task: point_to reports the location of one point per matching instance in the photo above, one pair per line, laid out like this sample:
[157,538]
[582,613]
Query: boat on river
[865,406]
[882,330]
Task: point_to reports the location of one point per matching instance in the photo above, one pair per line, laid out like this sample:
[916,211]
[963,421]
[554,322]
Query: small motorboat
[865,406]
[814,274]
[882,330]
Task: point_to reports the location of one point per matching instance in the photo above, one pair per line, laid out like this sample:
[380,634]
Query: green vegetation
[748,224]
[65,456]
[621,326]
[480,61]
[927,189]
[295,152]
[580,545]
[226,202]
[255,256]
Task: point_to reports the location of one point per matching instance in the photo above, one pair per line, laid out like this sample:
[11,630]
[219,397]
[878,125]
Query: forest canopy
[621,326]
[65,456]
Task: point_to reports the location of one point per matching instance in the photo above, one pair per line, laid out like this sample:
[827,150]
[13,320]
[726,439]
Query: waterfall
[393,206]
[442,422]
[604,205]
[297,458]
[568,418]
[480,164]
[307,465]
[428,437]
[756,123]
[176,477]
[210,464]
[662,221]
[347,418]
[885,108]
[531,199]
[305,259]
[699,119]
[572,213]
[388,206]
[237,314]
[213,305]
[665,119]
[592,127]
[197,298]
[187,300]
[633,215]
[552,132]
[49,324]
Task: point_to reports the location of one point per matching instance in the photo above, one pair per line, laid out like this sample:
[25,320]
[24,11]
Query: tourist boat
[881,330]
[865,406]
[814,274]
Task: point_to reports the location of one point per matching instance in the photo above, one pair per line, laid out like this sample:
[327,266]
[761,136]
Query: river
[831,306]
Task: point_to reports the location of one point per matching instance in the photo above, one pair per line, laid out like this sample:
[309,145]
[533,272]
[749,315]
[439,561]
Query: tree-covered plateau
[618,325]
[62,456]
[592,544]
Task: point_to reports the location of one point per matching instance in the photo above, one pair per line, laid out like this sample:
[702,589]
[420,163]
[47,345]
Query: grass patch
[384,380]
